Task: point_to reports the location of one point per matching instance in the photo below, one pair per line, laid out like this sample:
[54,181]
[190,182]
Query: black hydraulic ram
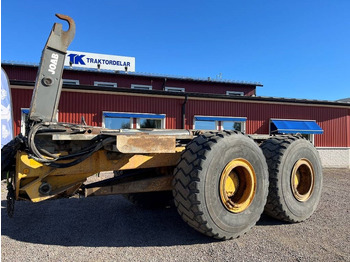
[48,84]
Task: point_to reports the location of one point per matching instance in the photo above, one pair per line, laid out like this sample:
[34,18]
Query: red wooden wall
[335,121]
[28,73]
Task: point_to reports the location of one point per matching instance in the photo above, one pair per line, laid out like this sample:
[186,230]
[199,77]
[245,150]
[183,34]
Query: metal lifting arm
[48,84]
[54,159]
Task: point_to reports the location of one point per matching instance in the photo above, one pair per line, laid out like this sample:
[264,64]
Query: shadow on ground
[100,221]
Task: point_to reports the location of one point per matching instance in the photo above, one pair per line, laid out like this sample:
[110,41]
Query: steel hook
[61,39]
[67,36]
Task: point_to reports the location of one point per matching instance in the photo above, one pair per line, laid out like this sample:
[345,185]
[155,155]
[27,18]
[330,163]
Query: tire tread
[185,186]
[274,149]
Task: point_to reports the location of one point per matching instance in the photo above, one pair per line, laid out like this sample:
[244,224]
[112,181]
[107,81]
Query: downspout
[164,84]
[183,111]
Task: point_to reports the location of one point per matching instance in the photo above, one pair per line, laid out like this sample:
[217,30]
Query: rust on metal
[147,185]
[66,37]
[138,144]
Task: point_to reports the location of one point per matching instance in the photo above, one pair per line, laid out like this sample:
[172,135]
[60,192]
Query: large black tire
[151,200]
[197,184]
[289,159]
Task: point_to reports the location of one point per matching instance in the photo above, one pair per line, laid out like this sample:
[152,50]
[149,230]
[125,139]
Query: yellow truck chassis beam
[39,182]
[162,183]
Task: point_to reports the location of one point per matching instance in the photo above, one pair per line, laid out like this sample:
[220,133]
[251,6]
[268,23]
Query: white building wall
[335,157]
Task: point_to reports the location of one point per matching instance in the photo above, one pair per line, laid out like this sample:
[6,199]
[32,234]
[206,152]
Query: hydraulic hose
[43,156]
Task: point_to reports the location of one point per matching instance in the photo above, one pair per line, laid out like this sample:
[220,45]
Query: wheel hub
[237,185]
[302,180]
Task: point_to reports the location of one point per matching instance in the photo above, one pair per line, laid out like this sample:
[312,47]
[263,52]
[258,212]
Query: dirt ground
[111,229]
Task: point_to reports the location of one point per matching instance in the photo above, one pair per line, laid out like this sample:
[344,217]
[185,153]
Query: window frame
[105,84]
[23,119]
[234,93]
[104,119]
[138,122]
[135,118]
[219,121]
[243,125]
[70,82]
[216,123]
[141,87]
[174,89]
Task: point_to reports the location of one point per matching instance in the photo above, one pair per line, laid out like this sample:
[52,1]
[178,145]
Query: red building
[134,100]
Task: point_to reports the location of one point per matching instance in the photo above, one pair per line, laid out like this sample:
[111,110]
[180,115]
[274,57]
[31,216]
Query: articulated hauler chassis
[220,182]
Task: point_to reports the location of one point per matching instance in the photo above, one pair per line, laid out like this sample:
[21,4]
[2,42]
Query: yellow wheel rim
[237,185]
[302,180]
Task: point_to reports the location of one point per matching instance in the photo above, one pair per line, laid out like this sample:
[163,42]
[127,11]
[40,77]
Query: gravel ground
[111,229]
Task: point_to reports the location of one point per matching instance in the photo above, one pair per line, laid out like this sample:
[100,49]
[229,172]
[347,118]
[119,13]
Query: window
[141,87]
[70,82]
[234,93]
[105,84]
[233,125]
[219,123]
[116,120]
[174,89]
[206,125]
[306,128]
[149,123]
[24,119]
[310,137]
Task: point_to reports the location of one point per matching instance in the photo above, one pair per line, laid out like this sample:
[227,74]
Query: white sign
[99,61]
[6,110]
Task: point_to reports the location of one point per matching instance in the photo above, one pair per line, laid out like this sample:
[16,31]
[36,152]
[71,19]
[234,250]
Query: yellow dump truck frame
[219,181]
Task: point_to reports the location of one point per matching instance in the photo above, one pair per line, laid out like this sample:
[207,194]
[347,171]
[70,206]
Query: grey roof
[303,100]
[208,79]
[193,94]
[344,100]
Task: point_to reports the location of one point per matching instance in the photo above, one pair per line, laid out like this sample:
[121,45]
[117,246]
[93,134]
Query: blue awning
[218,118]
[295,126]
[25,111]
[134,115]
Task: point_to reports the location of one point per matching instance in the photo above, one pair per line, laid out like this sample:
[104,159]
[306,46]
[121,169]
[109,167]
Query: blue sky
[296,49]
